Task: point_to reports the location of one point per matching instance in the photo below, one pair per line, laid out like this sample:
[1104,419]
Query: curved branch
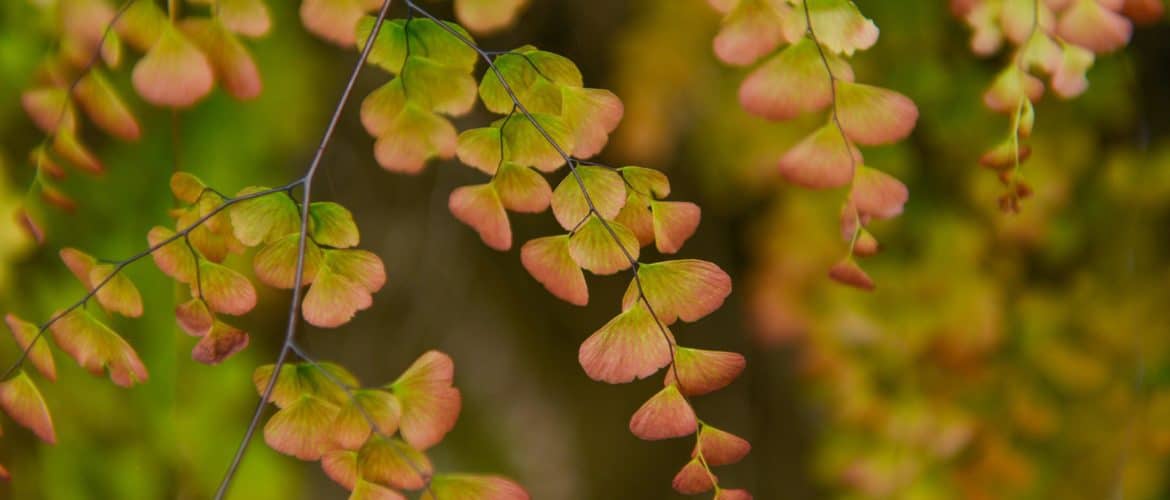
[571,162]
[306,182]
[122,264]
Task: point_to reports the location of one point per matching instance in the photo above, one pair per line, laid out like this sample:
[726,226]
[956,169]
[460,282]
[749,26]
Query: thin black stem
[306,183]
[572,169]
[572,163]
[122,264]
[836,117]
[89,65]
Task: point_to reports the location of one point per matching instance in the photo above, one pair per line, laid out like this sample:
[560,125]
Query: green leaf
[332,225]
[343,286]
[427,38]
[525,144]
[392,462]
[275,265]
[225,290]
[97,348]
[606,189]
[594,248]
[468,487]
[534,76]
[687,289]
[117,294]
[264,219]
[174,259]
[521,189]
[301,428]
[438,87]
[305,379]
[352,427]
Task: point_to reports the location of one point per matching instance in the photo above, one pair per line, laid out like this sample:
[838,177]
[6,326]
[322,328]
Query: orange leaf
[299,429]
[606,189]
[40,355]
[839,26]
[824,159]
[479,148]
[637,217]
[67,146]
[674,223]
[224,289]
[352,427]
[630,346]
[720,447]
[117,293]
[335,20]
[97,348]
[430,405]
[872,115]
[750,30]
[341,466]
[735,494]
[480,207]
[548,260]
[688,289]
[49,109]
[246,17]
[521,189]
[174,259]
[275,265]
[592,114]
[692,479]
[593,247]
[473,487]
[665,415]
[103,104]
[878,194]
[23,402]
[194,317]
[702,371]
[229,58]
[792,82]
[646,181]
[849,273]
[220,343]
[1010,86]
[174,73]
[306,379]
[392,462]
[1094,26]
[485,16]
[365,490]
[343,286]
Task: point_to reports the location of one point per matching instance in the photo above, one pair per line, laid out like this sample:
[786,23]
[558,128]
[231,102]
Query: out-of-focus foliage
[1000,357]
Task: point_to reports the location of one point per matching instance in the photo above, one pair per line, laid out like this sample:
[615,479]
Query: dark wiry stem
[573,164]
[836,117]
[306,183]
[122,264]
[89,65]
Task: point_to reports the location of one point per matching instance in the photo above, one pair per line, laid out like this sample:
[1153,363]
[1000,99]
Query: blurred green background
[1001,357]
